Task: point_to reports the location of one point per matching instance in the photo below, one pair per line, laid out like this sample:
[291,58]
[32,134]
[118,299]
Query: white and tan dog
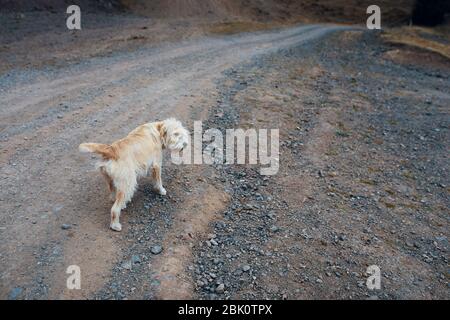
[127,159]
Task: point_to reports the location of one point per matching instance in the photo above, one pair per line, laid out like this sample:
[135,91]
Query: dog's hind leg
[110,183]
[119,204]
[124,192]
[156,173]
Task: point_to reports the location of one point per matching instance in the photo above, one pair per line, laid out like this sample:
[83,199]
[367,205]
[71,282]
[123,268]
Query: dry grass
[431,39]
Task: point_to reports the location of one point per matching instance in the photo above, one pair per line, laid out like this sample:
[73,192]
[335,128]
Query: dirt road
[47,113]
[55,208]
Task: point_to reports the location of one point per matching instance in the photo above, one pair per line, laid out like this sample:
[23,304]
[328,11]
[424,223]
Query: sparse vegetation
[435,40]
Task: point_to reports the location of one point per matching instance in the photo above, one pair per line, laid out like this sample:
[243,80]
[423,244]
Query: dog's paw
[162,191]
[116,226]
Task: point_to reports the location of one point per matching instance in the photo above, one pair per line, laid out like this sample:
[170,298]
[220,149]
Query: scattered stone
[57,209]
[220,288]
[200,283]
[15,293]
[126,265]
[246,268]
[66,226]
[238,272]
[135,259]
[274,228]
[156,249]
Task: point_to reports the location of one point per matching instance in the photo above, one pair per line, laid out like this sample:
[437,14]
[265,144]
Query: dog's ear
[162,130]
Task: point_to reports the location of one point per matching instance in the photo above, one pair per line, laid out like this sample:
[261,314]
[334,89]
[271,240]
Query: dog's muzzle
[184,146]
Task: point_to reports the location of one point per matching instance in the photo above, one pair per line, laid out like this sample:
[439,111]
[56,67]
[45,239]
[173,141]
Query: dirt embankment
[22,6]
[343,11]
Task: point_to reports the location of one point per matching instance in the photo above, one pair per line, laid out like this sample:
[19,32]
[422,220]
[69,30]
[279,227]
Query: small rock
[156,249]
[200,283]
[220,288]
[126,265]
[66,226]
[57,209]
[246,268]
[15,293]
[248,207]
[135,259]
[274,228]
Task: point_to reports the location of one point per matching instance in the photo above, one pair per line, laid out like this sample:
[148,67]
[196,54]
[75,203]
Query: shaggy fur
[127,159]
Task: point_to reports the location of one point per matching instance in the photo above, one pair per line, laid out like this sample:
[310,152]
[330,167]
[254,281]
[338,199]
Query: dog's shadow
[146,200]
[146,204]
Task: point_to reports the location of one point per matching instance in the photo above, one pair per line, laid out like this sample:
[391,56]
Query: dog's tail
[106,151]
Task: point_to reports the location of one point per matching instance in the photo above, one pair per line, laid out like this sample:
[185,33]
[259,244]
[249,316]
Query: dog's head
[173,134]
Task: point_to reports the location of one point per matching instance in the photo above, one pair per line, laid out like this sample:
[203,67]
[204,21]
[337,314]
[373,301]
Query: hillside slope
[350,11]
[344,11]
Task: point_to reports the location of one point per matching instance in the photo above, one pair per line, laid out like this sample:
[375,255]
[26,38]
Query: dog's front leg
[119,204]
[156,173]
